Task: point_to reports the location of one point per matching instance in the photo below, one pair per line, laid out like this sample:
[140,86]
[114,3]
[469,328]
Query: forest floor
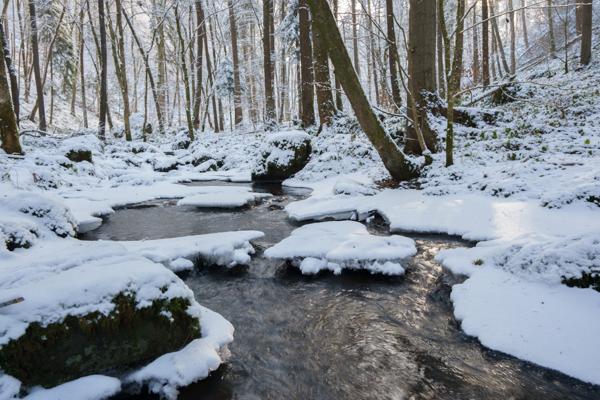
[526,188]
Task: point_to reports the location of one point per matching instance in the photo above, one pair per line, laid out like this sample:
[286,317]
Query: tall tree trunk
[82,69]
[549,16]
[186,79]
[355,38]
[392,157]
[339,104]
[209,72]
[373,52]
[36,66]
[476,66]
[103,73]
[158,7]
[123,70]
[270,115]
[9,130]
[421,71]
[524,23]
[513,39]
[441,69]
[322,79]
[392,53]
[12,73]
[237,90]
[485,43]
[306,70]
[283,82]
[200,33]
[586,32]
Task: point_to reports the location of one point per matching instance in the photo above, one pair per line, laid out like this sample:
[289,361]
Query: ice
[223,197]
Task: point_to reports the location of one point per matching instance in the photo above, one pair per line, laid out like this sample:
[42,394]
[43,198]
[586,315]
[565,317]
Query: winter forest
[303,199]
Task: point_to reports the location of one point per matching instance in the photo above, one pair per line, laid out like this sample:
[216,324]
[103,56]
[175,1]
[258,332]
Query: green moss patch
[96,343]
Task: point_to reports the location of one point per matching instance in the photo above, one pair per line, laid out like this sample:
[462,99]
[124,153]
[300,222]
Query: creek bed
[353,336]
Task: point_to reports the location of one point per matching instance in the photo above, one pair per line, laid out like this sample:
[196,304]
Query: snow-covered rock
[222,197]
[342,245]
[283,154]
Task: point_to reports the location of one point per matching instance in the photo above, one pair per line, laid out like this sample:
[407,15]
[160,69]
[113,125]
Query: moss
[276,172]
[96,343]
[79,155]
[587,280]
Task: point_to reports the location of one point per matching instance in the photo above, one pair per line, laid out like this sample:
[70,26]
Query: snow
[223,197]
[194,362]
[338,245]
[93,387]
[225,249]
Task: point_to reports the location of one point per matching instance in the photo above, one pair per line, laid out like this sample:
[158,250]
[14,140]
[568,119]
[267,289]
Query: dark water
[354,336]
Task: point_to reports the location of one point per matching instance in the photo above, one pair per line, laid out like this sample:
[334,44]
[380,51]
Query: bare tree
[392,53]
[586,32]
[9,130]
[306,66]
[36,66]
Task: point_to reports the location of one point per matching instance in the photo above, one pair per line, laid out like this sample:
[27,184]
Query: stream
[352,336]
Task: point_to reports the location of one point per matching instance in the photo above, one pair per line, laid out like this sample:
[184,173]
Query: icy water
[354,336]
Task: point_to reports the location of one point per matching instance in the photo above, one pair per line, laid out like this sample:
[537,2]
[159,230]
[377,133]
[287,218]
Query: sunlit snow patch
[339,245]
[223,197]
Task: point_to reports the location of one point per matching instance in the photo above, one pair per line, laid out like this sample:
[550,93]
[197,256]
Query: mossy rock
[79,155]
[273,168]
[96,343]
[587,280]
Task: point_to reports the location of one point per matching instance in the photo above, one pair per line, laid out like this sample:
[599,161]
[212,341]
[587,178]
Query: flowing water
[353,336]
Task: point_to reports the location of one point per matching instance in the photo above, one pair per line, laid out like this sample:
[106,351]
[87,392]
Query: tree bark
[524,23]
[339,104]
[355,38]
[237,89]
[393,158]
[200,33]
[12,73]
[270,114]
[586,32]
[123,70]
[322,79]
[306,68]
[513,39]
[186,79]
[421,71]
[36,67]
[103,73]
[549,16]
[9,130]
[392,52]
[485,43]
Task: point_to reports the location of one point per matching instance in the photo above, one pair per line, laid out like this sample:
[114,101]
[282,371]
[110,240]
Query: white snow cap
[343,244]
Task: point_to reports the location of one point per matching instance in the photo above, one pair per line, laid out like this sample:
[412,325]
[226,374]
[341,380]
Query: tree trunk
[496,33]
[103,73]
[421,71]
[12,73]
[524,23]
[82,69]
[485,43]
[322,79]
[237,89]
[159,27]
[476,65]
[392,157]
[355,39]
[339,104]
[549,16]
[9,130]
[270,114]
[441,69]
[186,79]
[36,66]
[123,70]
[513,39]
[306,69]
[200,33]
[392,52]
[586,32]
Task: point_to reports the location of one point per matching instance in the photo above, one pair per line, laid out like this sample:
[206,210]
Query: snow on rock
[195,361]
[93,387]
[342,245]
[282,155]
[223,197]
[224,249]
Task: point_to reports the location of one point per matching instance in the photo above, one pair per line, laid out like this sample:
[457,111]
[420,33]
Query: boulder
[283,154]
[79,155]
[91,343]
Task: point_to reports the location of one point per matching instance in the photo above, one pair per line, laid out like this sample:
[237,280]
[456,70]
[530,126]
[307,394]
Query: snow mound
[194,362]
[342,245]
[223,197]
[224,249]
